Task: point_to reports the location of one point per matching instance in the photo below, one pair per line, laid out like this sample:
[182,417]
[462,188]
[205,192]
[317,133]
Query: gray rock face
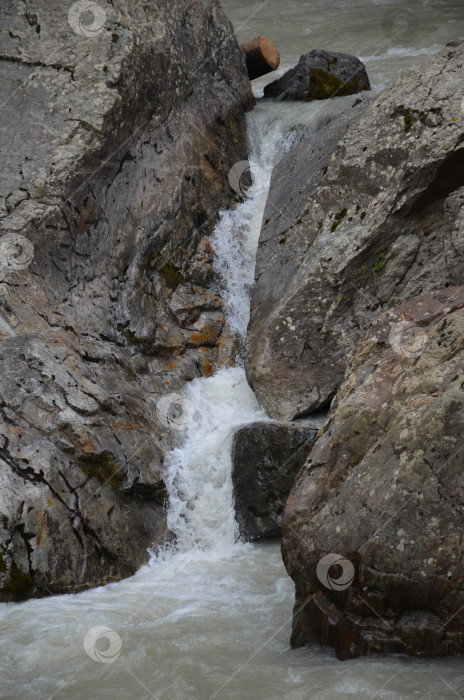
[384,489]
[266,458]
[118,131]
[319,75]
[360,217]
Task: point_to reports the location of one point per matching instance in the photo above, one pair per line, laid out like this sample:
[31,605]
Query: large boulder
[266,458]
[120,125]
[319,75]
[362,216]
[372,531]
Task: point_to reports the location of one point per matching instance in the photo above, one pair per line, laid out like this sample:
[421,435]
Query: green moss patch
[103,467]
[378,265]
[172,276]
[338,218]
[21,585]
[322,84]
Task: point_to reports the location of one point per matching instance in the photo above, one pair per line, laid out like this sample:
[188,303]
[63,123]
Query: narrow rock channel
[209,615]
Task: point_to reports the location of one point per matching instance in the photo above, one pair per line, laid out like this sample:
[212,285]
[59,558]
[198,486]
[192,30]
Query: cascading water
[201,511]
[211,618]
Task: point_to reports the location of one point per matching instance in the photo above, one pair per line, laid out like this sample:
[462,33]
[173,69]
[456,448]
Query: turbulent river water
[212,619]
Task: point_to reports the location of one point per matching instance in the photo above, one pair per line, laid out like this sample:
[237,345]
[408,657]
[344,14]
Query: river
[212,618]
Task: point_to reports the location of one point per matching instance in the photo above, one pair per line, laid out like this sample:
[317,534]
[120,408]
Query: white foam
[198,476]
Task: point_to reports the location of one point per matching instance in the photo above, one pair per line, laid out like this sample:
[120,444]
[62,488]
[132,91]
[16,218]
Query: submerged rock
[319,75]
[119,128]
[266,458]
[362,216]
[384,489]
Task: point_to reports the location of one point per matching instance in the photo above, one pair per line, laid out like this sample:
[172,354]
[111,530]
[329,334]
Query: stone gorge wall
[360,217]
[383,489]
[364,230]
[118,131]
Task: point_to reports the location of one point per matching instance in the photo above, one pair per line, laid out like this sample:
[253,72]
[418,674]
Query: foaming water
[211,617]
[198,479]
[197,625]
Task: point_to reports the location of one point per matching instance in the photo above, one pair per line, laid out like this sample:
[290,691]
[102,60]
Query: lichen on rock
[115,153]
[379,212]
[320,75]
[384,488]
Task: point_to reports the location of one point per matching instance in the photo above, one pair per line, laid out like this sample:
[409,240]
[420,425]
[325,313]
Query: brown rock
[384,488]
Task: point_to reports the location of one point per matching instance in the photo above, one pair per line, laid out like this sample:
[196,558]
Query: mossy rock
[20,587]
[322,84]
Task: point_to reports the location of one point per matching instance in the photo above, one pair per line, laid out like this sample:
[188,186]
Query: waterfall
[198,474]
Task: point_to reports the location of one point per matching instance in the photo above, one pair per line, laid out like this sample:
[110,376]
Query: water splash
[198,478]
[198,474]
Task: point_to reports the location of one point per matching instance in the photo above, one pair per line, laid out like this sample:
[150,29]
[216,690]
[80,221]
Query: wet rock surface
[266,458]
[116,146]
[384,489]
[360,217]
[320,75]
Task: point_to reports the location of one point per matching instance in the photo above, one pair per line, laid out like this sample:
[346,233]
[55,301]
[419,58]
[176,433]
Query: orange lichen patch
[150,386]
[208,361]
[125,426]
[85,443]
[41,528]
[205,246]
[226,348]
[207,336]
[171,365]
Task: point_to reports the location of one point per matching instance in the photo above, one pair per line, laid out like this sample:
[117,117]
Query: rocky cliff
[119,126]
[360,217]
[383,488]
[358,291]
